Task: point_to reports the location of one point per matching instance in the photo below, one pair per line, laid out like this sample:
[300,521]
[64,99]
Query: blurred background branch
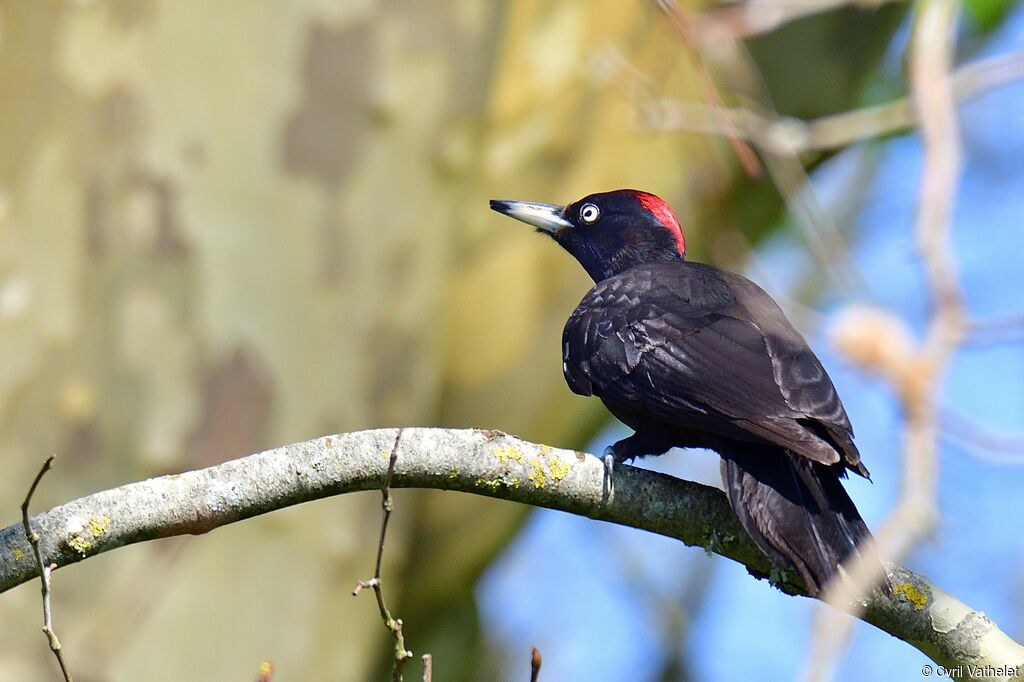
[754,17]
[919,381]
[796,136]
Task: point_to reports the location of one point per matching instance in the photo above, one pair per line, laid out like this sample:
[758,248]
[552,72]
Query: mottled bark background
[231,225]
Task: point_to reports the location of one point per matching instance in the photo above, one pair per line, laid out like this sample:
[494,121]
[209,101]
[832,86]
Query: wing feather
[676,341]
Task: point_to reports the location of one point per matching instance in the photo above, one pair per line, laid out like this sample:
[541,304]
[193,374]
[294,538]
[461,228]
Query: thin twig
[786,169]
[820,233]
[748,159]
[44,571]
[394,625]
[535,662]
[428,668]
[995,330]
[980,440]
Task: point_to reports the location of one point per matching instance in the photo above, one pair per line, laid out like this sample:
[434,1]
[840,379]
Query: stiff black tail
[796,511]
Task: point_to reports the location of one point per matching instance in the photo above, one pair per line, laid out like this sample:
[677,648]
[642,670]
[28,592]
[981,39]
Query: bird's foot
[628,449]
[609,459]
[613,455]
[609,468]
[638,445]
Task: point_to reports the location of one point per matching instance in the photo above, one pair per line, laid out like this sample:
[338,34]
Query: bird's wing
[683,347]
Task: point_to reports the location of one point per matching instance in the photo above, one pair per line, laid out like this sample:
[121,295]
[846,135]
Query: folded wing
[672,341]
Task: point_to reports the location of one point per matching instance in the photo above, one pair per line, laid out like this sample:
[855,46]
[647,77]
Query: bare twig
[535,662]
[980,440]
[44,571]
[428,668]
[394,625]
[916,511]
[746,155]
[995,330]
[819,232]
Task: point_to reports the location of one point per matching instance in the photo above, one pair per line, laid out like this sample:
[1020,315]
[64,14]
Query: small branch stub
[266,673]
[44,571]
[535,662]
[394,625]
[428,668]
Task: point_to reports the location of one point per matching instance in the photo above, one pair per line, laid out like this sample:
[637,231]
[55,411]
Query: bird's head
[608,232]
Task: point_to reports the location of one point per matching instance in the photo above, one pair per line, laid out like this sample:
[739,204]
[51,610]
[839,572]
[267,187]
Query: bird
[689,355]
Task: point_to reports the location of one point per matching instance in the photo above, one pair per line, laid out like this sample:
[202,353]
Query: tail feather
[796,511]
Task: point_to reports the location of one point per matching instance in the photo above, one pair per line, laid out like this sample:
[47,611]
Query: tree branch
[486,463]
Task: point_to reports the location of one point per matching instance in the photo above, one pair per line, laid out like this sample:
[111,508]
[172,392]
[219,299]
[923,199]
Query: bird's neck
[601,269]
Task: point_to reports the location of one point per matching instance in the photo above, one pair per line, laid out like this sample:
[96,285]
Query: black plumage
[689,355]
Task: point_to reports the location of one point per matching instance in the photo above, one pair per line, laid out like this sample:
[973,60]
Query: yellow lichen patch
[18,554]
[507,452]
[99,525]
[912,594]
[537,476]
[493,485]
[558,468]
[81,538]
[79,543]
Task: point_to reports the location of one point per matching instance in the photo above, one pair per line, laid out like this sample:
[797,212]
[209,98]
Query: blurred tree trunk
[230,225]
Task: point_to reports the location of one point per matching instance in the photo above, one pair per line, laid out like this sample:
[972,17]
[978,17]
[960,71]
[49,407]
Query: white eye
[589,213]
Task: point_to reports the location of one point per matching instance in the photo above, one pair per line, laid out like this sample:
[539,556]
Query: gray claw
[609,460]
[609,468]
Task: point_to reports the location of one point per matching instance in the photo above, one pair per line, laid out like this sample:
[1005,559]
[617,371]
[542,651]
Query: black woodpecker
[688,355]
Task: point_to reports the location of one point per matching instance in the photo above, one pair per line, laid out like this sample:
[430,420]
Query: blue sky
[603,618]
